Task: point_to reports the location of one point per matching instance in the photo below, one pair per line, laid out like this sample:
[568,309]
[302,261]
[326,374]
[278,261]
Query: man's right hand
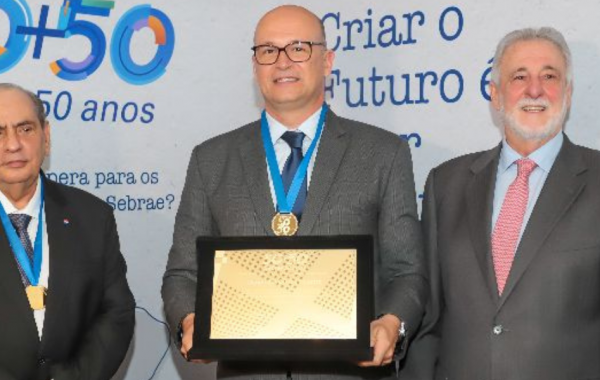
[187,327]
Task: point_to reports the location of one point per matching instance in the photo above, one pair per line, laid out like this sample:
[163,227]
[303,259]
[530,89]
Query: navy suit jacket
[89,316]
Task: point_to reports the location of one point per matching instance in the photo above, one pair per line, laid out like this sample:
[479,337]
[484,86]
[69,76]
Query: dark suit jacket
[546,325]
[90,310]
[362,183]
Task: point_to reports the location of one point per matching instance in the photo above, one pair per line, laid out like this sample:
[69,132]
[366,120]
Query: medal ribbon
[285,203]
[33,274]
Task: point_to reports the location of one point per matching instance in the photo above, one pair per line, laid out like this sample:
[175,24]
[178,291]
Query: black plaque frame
[284,349]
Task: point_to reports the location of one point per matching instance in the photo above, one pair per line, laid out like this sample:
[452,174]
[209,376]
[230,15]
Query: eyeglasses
[296,51]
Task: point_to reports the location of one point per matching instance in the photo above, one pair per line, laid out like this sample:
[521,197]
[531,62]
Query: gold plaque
[269,299]
[36,296]
[284,224]
[284,294]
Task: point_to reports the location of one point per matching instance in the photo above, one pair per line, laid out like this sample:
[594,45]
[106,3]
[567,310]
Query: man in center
[359,181]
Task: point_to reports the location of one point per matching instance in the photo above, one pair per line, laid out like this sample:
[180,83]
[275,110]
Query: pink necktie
[508,226]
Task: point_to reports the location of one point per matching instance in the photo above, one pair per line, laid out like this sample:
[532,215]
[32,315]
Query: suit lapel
[480,195]
[332,147]
[563,185]
[256,177]
[63,251]
[331,150]
[13,293]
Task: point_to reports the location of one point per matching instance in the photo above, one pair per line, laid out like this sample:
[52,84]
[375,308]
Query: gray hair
[529,34]
[38,106]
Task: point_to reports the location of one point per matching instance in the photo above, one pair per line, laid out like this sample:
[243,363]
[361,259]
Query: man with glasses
[358,180]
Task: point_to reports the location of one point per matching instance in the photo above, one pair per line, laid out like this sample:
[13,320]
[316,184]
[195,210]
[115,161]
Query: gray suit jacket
[362,183]
[546,324]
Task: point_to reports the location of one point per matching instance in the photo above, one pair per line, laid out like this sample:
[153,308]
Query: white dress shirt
[283,150]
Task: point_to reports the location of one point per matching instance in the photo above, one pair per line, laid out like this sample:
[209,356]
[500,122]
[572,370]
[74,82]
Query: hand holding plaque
[187,334]
[298,298]
[384,336]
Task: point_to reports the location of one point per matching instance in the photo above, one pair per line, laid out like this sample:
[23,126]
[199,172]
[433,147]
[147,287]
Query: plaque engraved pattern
[283,268]
[239,314]
[301,327]
[340,292]
[284,294]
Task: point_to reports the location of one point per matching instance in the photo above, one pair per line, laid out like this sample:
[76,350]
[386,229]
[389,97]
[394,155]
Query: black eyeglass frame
[280,49]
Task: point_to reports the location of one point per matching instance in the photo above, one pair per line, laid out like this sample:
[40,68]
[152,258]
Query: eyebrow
[547,67]
[550,67]
[271,43]
[24,122]
[265,43]
[19,124]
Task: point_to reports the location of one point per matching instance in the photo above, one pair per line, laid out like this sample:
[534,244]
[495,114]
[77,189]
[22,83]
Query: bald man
[359,181]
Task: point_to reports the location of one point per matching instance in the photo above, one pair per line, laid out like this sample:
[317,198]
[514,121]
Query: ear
[495,97]
[328,59]
[569,94]
[47,138]
[254,66]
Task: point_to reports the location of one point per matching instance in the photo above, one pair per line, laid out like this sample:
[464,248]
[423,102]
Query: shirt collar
[308,127]
[544,156]
[33,207]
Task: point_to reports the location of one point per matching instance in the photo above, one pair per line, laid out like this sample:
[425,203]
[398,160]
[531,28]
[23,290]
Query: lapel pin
[66,222]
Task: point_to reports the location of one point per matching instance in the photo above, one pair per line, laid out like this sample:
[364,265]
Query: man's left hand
[384,335]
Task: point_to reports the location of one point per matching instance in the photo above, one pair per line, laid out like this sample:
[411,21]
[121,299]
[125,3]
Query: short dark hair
[38,106]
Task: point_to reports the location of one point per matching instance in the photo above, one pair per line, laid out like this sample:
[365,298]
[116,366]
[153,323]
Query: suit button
[42,361]
[498,329]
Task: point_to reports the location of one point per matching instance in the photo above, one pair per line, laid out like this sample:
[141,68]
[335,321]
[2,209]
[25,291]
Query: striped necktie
[294,140]
[21,222]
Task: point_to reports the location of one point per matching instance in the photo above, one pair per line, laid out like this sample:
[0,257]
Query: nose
[12,142]
[283,61]
[534,88]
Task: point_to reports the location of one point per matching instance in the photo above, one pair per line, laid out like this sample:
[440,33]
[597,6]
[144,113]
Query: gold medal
[36,296]
[284,224]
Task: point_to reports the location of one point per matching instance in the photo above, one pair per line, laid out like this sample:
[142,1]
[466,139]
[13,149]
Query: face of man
[24,142]
[533,95]
[285,85]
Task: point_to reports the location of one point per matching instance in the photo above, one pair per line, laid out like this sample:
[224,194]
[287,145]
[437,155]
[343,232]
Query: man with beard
[512,236]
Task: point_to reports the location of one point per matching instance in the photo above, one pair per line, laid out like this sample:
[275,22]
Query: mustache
[529,102]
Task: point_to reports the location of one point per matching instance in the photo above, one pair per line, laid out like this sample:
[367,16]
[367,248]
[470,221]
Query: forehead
[285,25]
[14,104]
[533,55]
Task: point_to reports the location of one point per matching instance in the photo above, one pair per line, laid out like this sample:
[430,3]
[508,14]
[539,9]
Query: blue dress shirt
[544,157]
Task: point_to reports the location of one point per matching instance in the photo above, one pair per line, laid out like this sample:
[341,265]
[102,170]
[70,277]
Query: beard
[526,132]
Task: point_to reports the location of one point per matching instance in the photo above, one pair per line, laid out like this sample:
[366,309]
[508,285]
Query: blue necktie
[294,140]
[20,222]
